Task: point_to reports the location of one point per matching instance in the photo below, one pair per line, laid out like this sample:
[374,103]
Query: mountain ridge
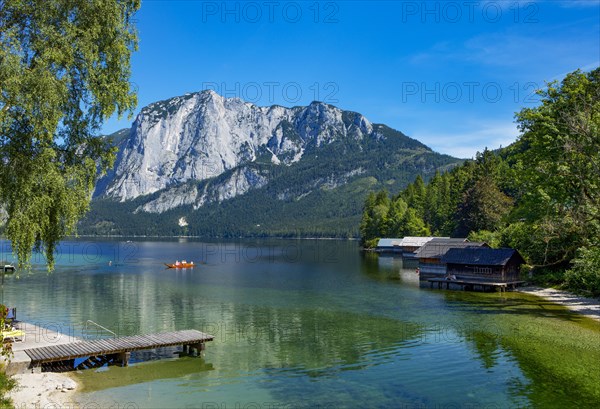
[190,155]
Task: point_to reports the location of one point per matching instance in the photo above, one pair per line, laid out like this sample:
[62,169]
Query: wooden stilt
[124,358]
[197,348]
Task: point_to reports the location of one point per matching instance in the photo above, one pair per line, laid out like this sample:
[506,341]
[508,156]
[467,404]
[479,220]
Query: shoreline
[588,307]
[36,389]
[151,236]
[43,390]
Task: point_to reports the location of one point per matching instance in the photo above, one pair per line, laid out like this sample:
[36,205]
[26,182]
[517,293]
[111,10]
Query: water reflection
[387,267]
[116,377]
[310,322]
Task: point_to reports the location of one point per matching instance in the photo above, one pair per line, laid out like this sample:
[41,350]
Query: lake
[306,323]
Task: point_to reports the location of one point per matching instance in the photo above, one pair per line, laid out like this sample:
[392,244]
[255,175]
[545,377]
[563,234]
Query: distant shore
[589,307]
[228,239]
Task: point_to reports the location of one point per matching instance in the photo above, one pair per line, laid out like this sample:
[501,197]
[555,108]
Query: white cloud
[513,49]
[472,138]
[518,46]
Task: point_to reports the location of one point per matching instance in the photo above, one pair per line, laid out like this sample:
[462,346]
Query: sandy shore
[43,390]
[36,389]
[590,307]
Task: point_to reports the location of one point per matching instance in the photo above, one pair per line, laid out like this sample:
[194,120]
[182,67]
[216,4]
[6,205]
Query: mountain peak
[200,154]
[211,94]
[201,135]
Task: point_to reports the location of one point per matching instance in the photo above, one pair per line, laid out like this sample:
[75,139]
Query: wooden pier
[471,284]
[111,351]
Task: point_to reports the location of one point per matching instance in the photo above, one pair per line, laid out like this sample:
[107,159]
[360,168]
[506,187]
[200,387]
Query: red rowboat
[180,265]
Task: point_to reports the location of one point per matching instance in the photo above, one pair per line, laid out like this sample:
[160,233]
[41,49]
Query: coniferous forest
[540,195]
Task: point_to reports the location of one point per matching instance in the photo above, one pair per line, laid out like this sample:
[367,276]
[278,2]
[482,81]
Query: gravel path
[590,307]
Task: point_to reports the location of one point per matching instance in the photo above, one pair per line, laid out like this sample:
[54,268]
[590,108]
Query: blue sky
[449,73]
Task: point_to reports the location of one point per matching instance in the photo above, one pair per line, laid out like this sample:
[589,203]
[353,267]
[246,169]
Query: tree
[374,220]
[558,154]
[585,274]
[64,69]
[414,195]
[367,227]
[445,223]
[414,225]
[438,208]
[395,218]
[431,204]
[483,207]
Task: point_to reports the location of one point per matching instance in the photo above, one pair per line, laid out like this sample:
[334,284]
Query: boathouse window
[483,270]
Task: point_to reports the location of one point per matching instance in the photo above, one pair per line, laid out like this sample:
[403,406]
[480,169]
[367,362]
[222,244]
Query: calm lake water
[307,324]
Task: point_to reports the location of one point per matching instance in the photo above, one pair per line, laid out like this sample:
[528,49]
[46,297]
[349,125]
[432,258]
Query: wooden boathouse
[479,263]
[482,267]
[410,245]
[405,246]
[430,255]
[389,246]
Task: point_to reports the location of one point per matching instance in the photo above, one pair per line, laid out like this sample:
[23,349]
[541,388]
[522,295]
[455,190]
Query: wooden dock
[471,284]
[112,351]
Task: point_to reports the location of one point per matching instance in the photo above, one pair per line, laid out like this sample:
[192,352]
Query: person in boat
[177,263]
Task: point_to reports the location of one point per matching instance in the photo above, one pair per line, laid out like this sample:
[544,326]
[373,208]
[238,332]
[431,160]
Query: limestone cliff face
[200,136]
[204,165]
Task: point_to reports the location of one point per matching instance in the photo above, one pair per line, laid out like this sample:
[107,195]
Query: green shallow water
[308,324]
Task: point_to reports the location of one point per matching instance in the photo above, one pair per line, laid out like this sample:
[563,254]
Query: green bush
[585,274]
[486,236]
[547,277]
[371,244]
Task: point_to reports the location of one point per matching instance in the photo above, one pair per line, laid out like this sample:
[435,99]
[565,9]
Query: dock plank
[81,349]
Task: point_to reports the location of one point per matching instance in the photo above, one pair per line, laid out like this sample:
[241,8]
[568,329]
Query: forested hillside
[540,195]
[318,196]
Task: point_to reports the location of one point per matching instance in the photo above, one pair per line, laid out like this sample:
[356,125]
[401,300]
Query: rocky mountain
[260,169]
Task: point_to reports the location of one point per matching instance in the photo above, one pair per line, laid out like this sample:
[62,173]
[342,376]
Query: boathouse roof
[480,256]
[437,247]
[389,242]
[417,241]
